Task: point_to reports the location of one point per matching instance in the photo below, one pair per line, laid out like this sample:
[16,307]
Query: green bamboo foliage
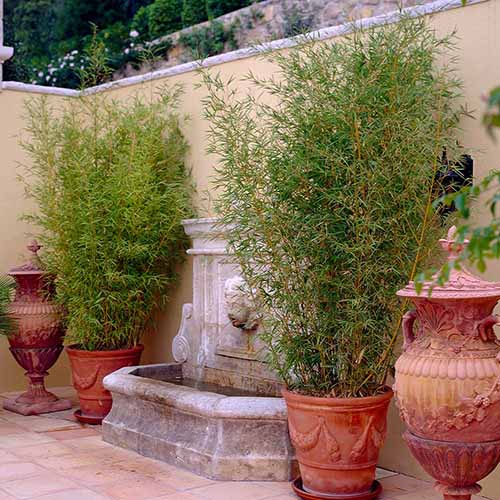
[327,175]
[111,187]
[7,322]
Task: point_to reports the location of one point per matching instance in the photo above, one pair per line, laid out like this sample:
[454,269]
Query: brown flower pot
[88,370]
[337,441]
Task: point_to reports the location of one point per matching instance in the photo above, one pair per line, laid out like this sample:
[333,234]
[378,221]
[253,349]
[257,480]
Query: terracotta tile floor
[53,457]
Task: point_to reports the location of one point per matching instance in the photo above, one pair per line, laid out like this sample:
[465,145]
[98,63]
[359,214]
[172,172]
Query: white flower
[131,44]
[81,67]
[134,33]
[40,74]
[126,51]
[62,65]
[47,78]
[34,82]
[50,65]
[74,52]
[72,65]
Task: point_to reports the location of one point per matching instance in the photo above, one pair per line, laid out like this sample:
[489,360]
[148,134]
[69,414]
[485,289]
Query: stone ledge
[206,404]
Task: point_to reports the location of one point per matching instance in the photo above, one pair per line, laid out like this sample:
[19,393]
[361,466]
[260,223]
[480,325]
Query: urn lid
[33,266]
[461,284]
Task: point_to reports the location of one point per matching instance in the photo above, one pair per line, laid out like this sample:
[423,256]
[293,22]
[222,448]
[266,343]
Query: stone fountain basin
[211,434]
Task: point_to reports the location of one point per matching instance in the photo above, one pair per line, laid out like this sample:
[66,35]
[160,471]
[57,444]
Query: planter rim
[295,397]
[82,353]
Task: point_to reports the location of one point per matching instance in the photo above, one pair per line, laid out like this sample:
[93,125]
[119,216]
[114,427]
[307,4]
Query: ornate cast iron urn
[448,379]
[38,341]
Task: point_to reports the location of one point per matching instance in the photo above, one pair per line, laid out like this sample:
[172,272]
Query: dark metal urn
[38,340]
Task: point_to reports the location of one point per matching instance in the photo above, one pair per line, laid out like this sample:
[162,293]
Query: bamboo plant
[327,173]
[109,180]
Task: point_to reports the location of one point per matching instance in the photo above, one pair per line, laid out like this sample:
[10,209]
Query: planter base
[457,467]
[37,408]
[373,493]
[87,419]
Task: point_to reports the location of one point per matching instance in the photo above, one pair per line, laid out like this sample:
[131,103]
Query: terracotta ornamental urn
[448,379]
[38,340]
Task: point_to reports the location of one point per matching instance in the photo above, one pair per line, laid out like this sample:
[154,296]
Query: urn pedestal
[448,379]
[38,341]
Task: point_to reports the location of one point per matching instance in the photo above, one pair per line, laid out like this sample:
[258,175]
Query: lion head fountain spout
[240,305]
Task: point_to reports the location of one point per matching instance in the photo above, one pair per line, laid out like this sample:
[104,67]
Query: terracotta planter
[448,380]
[337,441]
[38,341]
[88,370]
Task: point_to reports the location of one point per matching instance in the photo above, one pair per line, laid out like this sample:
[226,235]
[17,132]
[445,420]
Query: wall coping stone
[322,34]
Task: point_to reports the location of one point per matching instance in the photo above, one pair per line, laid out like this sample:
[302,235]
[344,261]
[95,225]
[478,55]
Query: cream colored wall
[13,232]
[477,51]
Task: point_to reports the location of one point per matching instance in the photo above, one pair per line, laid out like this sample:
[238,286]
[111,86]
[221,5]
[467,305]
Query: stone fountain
[216,411]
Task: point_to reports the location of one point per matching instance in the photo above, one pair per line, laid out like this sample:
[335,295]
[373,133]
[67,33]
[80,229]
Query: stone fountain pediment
[207,342]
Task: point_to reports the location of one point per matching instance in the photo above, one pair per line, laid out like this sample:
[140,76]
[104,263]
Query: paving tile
[17,470]
[275,487]
[44,424]
[98,474]
[34,486]
[88,444]
[11,428]
[27,439]
[138,489]
[282,497]
[5,496]
[381,473]
[78,494]
[72,433]
[66,415]
[181,496]
[62,463]
[7,457]
[233,491]
[42,451]
[424,494]
[399,485]
[183,480]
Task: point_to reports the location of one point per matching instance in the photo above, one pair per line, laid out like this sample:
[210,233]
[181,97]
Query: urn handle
[485,328]
[408,333]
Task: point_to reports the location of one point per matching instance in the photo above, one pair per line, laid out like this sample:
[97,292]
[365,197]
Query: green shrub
[165,16]
[194,12]
[327,172]
[216,8]
[109,180]
[140,23]
[209,40]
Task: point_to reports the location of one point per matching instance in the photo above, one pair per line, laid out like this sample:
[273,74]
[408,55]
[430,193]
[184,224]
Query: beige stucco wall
[14,232]
[478,46]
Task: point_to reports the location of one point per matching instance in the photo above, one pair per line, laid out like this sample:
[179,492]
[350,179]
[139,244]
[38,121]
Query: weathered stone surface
[217,436]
